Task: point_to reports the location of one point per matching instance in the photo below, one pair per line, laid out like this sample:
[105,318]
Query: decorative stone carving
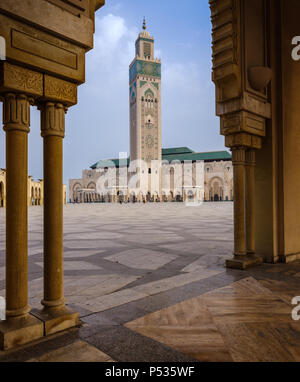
[243,121]
[21,79]
[146,68]
[226,71]
[16,112]
[243,139]
[60,90]
[259,77]
[53,119]
[238,155]
[242,109]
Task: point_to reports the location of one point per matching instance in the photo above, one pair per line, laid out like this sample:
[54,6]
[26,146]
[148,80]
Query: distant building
[35,191]
[152,173]
[216,170]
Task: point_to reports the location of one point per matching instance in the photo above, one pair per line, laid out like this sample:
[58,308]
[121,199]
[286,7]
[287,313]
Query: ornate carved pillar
[250,201]
[16,115]
[239,174]
[241,75]
[53,132]
[19,325]
[55,315]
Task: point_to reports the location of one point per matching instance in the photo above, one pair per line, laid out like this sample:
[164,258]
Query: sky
[98,126]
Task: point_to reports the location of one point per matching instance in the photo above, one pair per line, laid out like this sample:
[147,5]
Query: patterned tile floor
[152,277]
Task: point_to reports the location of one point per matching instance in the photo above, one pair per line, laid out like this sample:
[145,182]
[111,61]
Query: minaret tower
[145,101]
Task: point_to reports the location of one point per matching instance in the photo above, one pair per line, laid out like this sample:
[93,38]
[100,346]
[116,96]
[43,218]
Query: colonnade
[54,316]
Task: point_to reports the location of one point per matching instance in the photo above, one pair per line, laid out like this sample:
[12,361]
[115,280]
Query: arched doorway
[132,197]
[120,196]
[190,195]
[148,197]
[216,189]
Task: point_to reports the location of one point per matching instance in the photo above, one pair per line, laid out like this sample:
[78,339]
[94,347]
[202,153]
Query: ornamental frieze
[21,80]
[60,90]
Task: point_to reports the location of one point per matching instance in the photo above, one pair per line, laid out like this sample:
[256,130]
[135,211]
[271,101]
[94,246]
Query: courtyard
[149,283]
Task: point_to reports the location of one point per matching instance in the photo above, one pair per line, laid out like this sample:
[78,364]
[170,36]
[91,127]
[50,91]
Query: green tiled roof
[177,150]
[207,156]
[172,154]
[109,163]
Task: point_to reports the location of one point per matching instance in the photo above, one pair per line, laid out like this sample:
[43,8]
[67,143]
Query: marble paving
[152,277]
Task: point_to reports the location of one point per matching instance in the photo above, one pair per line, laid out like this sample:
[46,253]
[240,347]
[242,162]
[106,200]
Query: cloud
[114,45]
[188,107]
[98,127]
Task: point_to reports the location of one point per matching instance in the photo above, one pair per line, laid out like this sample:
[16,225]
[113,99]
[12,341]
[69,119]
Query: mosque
[153,173]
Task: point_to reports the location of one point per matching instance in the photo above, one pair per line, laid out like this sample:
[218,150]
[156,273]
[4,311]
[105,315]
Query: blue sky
[98,126]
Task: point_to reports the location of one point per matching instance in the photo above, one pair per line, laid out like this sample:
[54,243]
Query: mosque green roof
[171,154]
[110,163]
[193,156]
[177,150]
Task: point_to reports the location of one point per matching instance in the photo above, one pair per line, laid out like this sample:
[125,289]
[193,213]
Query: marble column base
[289,258]
[20,330]
[56,319]
[244,262]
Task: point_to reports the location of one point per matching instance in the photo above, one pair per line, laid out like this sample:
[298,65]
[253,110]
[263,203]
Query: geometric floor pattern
[152,277]
[242,322]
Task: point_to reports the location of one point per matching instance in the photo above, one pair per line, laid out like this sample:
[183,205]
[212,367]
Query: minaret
[145,101]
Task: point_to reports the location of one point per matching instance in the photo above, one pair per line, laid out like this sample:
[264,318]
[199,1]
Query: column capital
[16,112]
[53,119]
[250,157]
[238,155]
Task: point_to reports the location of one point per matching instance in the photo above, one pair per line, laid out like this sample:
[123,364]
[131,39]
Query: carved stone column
[55,315]
[238,161]
[243,160]
[241,75]
[19,326]
[250,201]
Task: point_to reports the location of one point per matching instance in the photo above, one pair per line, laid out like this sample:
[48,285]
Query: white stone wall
[215,179]
[218,180]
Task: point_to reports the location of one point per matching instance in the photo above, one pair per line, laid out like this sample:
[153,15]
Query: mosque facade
[153,173]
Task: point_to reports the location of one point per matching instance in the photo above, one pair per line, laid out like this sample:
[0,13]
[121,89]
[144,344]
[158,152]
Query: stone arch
[149,99]
[132,197]
[76,196]
[92,186]
[178,196]
[149,92]
[190,195]
[216,189]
